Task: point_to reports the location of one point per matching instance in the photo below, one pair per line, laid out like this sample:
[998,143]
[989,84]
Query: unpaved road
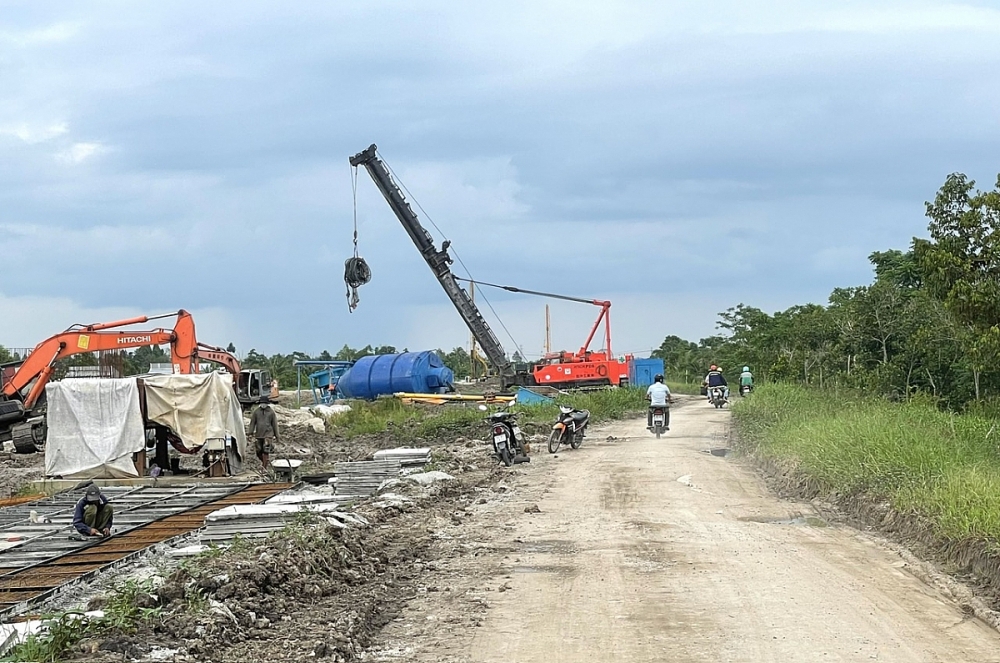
[625,563]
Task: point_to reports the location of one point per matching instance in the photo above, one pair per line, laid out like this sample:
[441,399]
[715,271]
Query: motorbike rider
[658,395]
[715,378]
[746,378]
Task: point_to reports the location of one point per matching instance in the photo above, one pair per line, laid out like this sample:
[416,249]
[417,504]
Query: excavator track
[26,586]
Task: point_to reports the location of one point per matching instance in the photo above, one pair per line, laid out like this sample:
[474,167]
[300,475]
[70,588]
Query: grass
[942,466]
[61,632]
[413,421]
[688,388]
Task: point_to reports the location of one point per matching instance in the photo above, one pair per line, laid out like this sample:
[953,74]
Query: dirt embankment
[972,564]
[316,591]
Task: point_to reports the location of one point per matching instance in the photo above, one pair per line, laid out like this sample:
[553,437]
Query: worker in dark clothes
[94,515]
[264,430]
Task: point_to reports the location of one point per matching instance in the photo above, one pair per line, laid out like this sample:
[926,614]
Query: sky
[676,158]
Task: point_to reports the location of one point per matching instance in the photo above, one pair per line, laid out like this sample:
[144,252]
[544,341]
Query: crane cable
[356,270]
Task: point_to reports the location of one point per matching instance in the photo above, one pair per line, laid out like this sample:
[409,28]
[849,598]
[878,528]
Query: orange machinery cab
[582,370]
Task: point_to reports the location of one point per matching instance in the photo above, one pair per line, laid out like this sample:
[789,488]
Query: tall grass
[423,421]
[943,466]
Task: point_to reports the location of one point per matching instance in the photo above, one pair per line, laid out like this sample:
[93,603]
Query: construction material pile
[362,479]
[407,456]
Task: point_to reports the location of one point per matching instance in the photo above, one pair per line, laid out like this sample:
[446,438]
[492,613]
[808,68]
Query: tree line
[928,323]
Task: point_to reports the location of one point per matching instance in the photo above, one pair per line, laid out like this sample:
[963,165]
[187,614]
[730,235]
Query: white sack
[197,407]
[94,427]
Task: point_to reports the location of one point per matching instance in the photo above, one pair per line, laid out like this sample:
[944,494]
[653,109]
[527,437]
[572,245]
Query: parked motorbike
[718,396]
[659,420]
[570,428]
[745,389]
[508,440]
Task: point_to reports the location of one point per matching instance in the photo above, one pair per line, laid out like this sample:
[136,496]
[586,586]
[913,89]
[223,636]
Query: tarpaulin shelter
[198,408]
[94,427]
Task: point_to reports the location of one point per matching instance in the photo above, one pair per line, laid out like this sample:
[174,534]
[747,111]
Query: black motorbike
[508,440]
[659,419]
[569,428]
[717,396]
[745,389]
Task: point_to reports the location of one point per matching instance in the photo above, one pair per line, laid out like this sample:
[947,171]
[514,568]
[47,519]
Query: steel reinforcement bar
[24,587]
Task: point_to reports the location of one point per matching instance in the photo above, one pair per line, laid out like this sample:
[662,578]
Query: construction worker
[264,429]
[658,395]
[94,515]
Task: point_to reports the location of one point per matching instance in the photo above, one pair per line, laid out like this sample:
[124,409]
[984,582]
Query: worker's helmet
[658,378]
[713,367]
[746,368]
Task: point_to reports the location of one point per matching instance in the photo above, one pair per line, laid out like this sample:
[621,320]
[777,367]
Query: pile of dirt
[312,591]
[18,470]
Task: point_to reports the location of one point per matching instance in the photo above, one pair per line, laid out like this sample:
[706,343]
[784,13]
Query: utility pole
[548,331]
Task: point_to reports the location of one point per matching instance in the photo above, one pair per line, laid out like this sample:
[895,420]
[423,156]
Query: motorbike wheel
[505,456]
[659,431]
[577,440]
[555,439]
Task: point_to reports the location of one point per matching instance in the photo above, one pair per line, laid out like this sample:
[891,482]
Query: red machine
[584,368]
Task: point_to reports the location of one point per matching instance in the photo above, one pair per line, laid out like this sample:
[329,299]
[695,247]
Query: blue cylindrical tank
[377,375]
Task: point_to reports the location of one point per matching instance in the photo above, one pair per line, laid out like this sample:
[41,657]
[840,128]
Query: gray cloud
[676,157]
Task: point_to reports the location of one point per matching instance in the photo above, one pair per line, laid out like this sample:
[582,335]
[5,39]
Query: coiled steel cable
[356,274]
[356,270]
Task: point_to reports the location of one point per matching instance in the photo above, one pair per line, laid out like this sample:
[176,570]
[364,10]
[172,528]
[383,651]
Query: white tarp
[94,427]
[198,408]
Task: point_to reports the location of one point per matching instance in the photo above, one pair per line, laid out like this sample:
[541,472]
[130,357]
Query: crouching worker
[94,515]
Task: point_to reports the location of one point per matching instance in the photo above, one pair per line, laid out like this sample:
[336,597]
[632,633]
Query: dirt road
[649,550]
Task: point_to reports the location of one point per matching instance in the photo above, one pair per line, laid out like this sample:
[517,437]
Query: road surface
[649,550]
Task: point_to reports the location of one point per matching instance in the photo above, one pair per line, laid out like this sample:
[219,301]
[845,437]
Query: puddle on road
[722,452]
[800,520]
[543,568]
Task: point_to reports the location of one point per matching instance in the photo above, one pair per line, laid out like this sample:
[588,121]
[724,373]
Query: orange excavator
[22,384]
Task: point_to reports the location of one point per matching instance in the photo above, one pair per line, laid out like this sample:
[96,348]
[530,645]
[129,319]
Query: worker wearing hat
[94,515]
[264,430]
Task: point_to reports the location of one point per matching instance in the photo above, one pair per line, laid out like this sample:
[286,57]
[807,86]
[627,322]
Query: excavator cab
[254,383]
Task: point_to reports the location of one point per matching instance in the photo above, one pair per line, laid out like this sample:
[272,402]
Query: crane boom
[438,260]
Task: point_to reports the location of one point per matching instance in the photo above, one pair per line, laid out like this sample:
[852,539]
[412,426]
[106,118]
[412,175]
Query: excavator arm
[40,363]
[438,260]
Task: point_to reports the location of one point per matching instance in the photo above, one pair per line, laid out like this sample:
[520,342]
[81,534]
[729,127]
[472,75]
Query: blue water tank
[377,375]
[642,371]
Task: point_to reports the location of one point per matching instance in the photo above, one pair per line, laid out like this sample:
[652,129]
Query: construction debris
[362,479]
[429,478]
[259,520]
[407,457]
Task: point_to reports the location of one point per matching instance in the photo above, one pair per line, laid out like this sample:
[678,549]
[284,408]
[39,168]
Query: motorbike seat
[581,415]
[500,416]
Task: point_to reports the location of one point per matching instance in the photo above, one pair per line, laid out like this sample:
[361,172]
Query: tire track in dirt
[627,563]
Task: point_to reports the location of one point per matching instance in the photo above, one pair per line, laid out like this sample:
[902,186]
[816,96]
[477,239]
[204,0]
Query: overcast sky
[677,158]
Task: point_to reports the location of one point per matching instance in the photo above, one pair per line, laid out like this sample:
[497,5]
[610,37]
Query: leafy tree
[960,264]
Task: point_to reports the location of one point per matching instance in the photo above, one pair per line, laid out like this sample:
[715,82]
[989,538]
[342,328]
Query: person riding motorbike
[715,378]
[658,395]
[746,378]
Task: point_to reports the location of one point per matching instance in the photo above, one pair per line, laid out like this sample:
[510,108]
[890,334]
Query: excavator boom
[437,260]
